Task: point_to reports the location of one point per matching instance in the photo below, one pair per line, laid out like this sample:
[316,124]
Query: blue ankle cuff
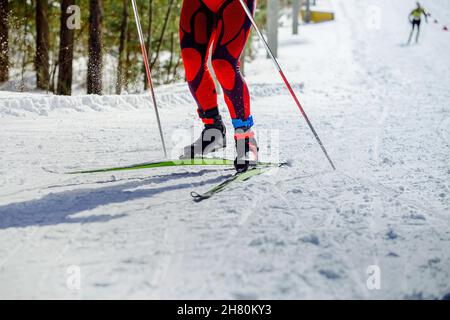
[238,123]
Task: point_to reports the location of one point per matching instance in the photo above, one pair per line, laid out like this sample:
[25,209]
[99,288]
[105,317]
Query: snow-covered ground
[382,110]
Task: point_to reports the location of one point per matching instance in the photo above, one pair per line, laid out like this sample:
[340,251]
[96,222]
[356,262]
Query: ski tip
[198,197]
[50,170]
[287,163]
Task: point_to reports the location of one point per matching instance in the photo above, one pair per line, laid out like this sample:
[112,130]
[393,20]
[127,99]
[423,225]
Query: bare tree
[149,38]
[122,43]
[128,59]
[307,11]
[65,58]
[95,64]
[175,69]
[163,31]
[24,50]
[42,45]
[160,39]
[172,53]
[295,13]
[272,26]
[4,55]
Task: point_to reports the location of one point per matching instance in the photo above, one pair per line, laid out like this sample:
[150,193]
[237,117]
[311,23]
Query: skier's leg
[214,5]
[197,24]
[411,33]
[197,29]
[229,42]
[418,32]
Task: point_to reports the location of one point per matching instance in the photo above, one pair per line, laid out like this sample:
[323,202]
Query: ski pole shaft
[148,73]
[288,85]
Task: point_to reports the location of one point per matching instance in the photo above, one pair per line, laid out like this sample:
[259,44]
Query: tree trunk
[161,36]
[172,53]
[4,58]
[95,65]
[25,54]
[272,26]
[42,45]
[295,13]
[65,58]
[308,11]
[149,38]
[123,38]
[128,72]
[175,70]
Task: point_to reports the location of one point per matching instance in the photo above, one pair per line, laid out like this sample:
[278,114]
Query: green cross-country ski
[244,176]
[168,163]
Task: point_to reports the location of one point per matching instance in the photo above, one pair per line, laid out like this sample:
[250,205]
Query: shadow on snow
[56,208]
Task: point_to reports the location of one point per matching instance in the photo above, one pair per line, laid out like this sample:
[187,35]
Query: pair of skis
[261,168]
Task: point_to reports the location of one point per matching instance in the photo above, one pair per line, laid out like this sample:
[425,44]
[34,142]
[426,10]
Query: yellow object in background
[318,16]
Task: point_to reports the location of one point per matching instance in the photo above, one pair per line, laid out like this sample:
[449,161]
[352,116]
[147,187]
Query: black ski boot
[213,138]
[246,150]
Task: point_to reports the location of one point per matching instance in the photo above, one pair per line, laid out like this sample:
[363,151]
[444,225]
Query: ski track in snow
[301,231]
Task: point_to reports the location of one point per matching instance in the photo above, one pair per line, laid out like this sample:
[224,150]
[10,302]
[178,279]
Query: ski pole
[148,72]
[288,85]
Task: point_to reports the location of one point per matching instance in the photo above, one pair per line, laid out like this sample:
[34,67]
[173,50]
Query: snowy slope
[382,110]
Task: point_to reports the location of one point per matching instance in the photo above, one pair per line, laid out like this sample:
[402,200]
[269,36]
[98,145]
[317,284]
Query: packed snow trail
[304,232]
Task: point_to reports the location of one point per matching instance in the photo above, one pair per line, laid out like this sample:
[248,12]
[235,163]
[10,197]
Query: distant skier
[415,18]
[223,27]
